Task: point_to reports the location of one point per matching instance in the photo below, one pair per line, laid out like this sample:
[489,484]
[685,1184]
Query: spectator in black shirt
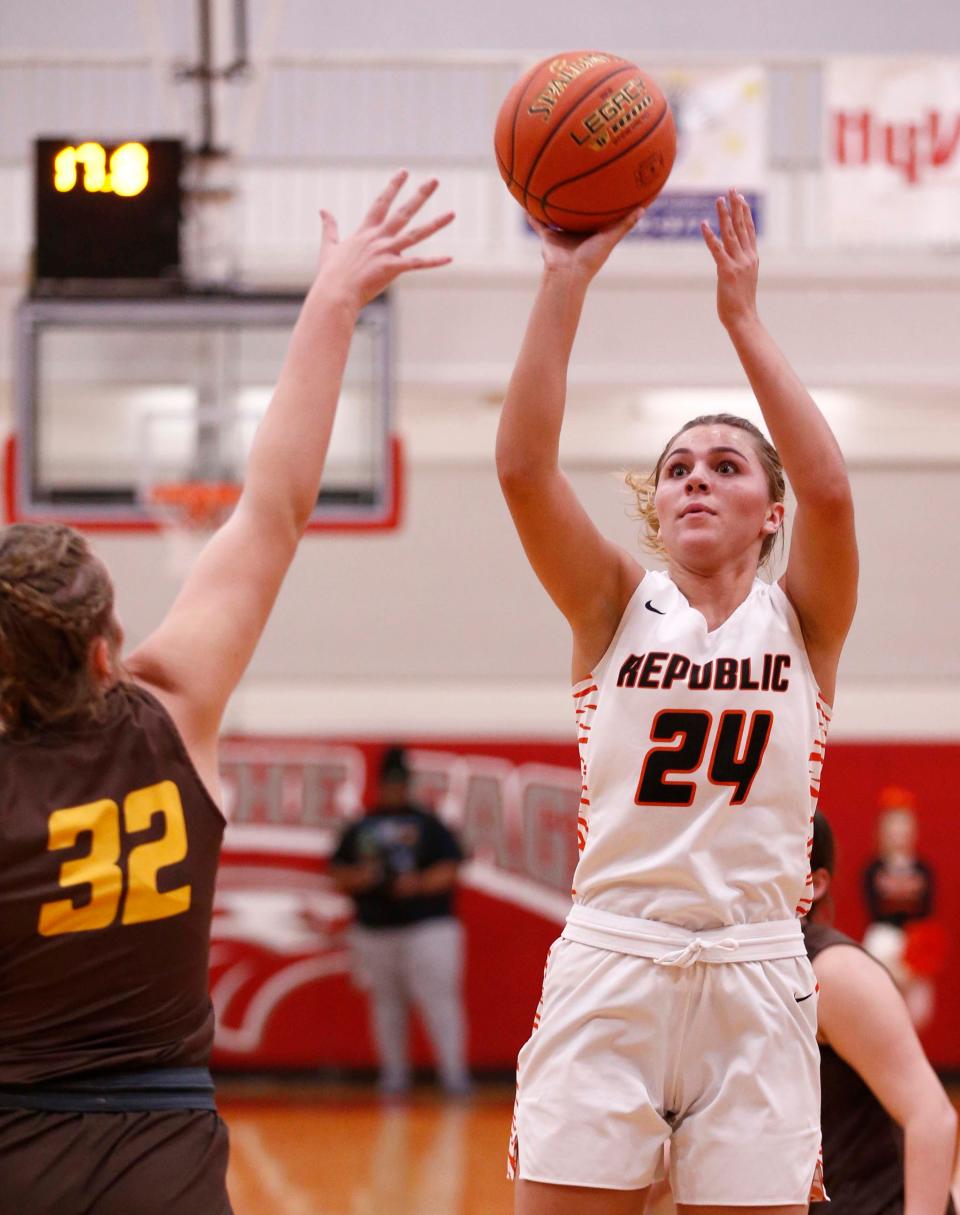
[399,864]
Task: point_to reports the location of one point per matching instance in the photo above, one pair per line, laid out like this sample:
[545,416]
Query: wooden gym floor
[342,1151]
[320,1150]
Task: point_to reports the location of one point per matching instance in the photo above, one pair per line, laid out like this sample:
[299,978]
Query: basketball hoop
[189,512]
[193,505]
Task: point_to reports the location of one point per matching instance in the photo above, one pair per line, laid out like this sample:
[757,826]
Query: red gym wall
[279,961]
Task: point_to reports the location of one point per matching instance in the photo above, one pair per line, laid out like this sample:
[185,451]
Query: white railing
[369,108]
[309,129]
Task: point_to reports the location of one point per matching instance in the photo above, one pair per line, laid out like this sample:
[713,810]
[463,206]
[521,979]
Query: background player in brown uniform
[889,1130]
[109,829]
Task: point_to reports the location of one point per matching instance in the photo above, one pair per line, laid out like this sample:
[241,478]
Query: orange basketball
[583,138]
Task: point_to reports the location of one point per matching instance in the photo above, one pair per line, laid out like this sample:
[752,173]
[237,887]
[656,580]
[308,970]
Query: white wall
[440,627]
[684,26]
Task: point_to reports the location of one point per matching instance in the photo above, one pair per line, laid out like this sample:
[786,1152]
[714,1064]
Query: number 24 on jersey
[733,762]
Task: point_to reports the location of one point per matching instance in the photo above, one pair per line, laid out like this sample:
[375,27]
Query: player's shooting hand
[582,255]
[735,254]
[364,264]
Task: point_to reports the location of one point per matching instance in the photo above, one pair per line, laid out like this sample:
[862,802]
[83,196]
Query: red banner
[280,974]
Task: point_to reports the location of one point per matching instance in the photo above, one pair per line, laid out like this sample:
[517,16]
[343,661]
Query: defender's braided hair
[55,598]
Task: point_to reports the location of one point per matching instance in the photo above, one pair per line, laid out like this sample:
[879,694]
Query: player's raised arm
[588,577]
[197,655]
[821,576]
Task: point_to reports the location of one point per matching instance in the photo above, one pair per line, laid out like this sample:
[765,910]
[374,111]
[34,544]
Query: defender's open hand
[363,264]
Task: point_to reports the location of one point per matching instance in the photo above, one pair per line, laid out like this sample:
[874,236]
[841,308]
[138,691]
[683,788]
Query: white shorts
[717,1056]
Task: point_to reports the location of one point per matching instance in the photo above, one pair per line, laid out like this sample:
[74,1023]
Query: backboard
[116,394]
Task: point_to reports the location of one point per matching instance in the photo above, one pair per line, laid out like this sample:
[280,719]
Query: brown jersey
[109,844]
[862,1145]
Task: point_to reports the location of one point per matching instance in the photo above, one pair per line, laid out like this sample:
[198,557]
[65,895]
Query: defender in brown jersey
[109,824]
[889,1131]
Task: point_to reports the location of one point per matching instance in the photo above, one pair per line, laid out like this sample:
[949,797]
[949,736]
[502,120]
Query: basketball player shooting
[111,829]
[678,1004]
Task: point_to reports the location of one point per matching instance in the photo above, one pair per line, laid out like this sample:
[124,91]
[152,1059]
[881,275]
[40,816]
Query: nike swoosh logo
[650,608]
[800,999]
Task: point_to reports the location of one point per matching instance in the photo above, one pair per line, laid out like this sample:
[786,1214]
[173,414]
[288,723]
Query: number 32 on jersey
[99,870]
[733,762]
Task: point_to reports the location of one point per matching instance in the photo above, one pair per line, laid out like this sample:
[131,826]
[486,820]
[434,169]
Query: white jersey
[701,755]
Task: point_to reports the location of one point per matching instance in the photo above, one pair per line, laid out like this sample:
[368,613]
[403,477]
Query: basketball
[583,138]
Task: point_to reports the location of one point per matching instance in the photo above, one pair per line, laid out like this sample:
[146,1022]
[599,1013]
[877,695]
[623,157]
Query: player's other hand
[583,255]
[735,254]
[406,885]
[364,264]
[369,875]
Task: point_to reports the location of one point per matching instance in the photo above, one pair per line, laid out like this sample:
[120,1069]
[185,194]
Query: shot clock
[108,209]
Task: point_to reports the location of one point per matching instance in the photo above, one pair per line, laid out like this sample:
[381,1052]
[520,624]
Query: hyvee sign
[892,157]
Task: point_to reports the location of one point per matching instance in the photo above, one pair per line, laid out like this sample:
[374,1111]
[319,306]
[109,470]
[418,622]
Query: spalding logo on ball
[584,138]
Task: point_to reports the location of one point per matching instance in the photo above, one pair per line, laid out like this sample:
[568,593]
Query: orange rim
[196,503]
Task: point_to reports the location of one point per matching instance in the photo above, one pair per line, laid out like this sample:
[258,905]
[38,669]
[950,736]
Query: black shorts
[166,1162]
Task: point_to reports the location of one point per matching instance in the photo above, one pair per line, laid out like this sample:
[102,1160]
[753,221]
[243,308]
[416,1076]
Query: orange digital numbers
[125,172]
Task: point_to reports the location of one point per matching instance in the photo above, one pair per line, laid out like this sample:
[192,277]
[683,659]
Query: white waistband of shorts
[669,945]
